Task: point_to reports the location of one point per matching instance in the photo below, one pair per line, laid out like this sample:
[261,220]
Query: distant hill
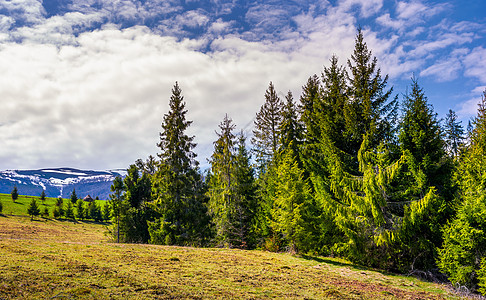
[59,182]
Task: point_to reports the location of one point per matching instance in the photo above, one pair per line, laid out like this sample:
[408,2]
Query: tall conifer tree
[309,108]
[454,133]
[222,183]
[246,225]
[177,182]
[266,135]
[370,110]
[291,129]
[462,254]
[419,199]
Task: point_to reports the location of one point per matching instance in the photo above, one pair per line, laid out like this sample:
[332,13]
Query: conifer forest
[350,168]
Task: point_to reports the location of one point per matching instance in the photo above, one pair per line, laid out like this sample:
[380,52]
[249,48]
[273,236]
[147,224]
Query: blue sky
[86,83]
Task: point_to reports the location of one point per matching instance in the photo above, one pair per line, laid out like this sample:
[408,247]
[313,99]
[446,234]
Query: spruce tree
[266,135]
[222,183]
[116,205]
[69,212]
[292,212]
[106,212]
[74,197]
[346,155]
[419,198]
[291,129]
[33,209]
[80,210]
[45,212]
[309,108]
[137,212]
[246,225]
[43,196]
[138,186]
[370,111]
[177,184]
[14,193]
[454,133]
[461,256]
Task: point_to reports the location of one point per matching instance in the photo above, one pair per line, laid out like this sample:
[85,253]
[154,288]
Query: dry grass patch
[44,260]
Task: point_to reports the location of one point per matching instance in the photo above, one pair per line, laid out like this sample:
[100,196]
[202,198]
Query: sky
[85,83]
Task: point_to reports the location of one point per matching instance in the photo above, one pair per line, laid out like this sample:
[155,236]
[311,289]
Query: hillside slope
[45,259]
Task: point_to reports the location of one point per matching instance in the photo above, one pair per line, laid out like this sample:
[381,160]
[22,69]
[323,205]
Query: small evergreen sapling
[15,193]
[74,197]
[69,212]
[43,196]
[80,209]
[106,212]
[33,209]
[45,212]
[56,213]
[58,210]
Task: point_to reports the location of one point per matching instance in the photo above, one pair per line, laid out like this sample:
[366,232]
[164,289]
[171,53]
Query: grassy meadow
[19,207]
[57,259]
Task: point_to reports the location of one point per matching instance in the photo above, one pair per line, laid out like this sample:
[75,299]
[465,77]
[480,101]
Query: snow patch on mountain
[59,182]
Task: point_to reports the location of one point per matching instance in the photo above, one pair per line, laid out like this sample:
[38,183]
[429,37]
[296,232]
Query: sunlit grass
[19,207]
[48,258]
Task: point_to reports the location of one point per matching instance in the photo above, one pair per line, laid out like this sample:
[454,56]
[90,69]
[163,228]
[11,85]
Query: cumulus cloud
[100,102]
[88,87]
[24,11]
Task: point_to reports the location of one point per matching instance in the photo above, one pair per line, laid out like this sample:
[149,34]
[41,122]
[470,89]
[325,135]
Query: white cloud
[445,70]
[475,64]
[469,108]
[96,99]
[100,103]
[192,18]
[28,11]
[368,7]
[386,20]
[410,14]
[448,68]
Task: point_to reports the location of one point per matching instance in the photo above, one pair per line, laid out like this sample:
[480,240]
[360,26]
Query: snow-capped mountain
[59,182]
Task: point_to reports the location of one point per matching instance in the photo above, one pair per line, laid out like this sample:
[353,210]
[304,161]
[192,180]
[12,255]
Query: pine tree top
[175,145]
[266,135]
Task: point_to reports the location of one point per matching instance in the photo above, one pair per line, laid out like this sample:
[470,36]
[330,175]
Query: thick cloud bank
[86,84]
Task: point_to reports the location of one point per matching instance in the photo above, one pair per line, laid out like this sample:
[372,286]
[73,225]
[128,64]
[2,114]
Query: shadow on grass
[77,221]
[344,264]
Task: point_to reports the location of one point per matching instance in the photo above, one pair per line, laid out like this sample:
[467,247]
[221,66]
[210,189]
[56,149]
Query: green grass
[48,259]
[19,207]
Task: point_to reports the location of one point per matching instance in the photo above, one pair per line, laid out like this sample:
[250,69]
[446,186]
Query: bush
[1,207]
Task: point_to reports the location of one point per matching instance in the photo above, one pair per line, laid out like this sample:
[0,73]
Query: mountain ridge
[60,182]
